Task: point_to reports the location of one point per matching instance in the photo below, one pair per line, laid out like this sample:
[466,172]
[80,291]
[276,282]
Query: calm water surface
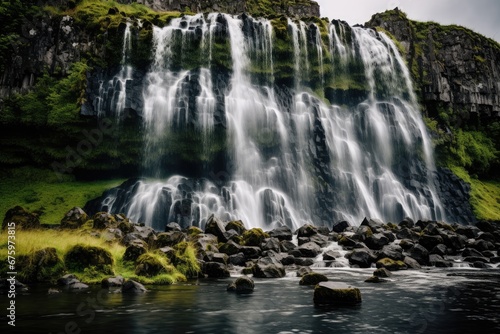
[427,301]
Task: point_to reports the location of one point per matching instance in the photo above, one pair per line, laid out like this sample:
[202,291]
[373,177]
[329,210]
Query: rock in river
[336,293]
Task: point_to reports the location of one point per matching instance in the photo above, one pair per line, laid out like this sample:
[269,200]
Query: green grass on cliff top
[485,195]
[41,190]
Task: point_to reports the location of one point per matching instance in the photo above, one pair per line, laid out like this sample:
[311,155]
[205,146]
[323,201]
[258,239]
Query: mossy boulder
[112,234]
[80,257]
[346,242]
[74,218]
[382,272]
[254,237]
[185,259]
[40,266]
[236,225]
[242,284]
[134,251]
[170,238]
[306,231]
[312,279]
[103,220]
[391,264]
[152,264]
[22,218]
[193,231]
[375,279]
[337,294]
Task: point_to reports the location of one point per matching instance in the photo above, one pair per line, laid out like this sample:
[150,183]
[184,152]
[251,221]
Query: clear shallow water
[428,301]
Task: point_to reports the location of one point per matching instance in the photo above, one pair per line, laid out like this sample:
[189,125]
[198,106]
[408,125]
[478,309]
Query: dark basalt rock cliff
[453,67]
[291,8]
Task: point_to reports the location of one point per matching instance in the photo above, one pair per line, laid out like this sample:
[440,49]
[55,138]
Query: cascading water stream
[116,89]
[292,157]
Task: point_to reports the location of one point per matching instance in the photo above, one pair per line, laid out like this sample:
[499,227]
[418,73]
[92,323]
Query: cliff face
[454,68]
[291,8]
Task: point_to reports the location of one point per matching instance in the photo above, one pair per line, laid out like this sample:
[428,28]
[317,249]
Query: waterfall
[115,91]
[290,155]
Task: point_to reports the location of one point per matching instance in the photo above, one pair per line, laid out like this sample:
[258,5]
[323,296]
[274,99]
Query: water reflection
[427,301]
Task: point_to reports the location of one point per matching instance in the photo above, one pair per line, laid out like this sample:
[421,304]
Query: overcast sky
[482,16]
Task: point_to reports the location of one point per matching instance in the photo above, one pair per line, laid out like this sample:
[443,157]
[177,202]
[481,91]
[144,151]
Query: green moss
[485,195]
[185,260]
[94,259]
[254,237]
[153,264]
[40,266]
[479,59]
[42,191]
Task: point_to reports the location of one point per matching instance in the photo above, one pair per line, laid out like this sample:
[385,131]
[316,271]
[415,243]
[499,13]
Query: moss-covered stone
[236,225]
[153,264]
[254,237]
[74,218]
[134,251]
[103,220]
[193,231]
[80,257]
[185,259]
[242,284]
[312,279]
[41,266]
[335,293]
[21,218]
[391,264]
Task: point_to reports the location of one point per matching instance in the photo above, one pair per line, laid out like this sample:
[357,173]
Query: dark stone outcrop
[21,218]
[80,257]
[300,8]
[215,270]
[74,218]
[454,66]
[131,286]
[312,279]
[242,284]
[268,267]
[335,293]
[112,282]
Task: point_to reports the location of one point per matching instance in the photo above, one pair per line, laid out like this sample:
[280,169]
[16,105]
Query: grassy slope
[485,195]
[29,241]
[41,190]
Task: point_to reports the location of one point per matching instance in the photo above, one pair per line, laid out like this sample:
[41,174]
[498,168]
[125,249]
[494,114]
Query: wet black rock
[242,284]
[341,226]
[268,267]
[420,254]
[131,286]
[215,270]
[336,293]
[281,233]
[312,279]
[170,227]
[361,257]
[112,282]
[310,249]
